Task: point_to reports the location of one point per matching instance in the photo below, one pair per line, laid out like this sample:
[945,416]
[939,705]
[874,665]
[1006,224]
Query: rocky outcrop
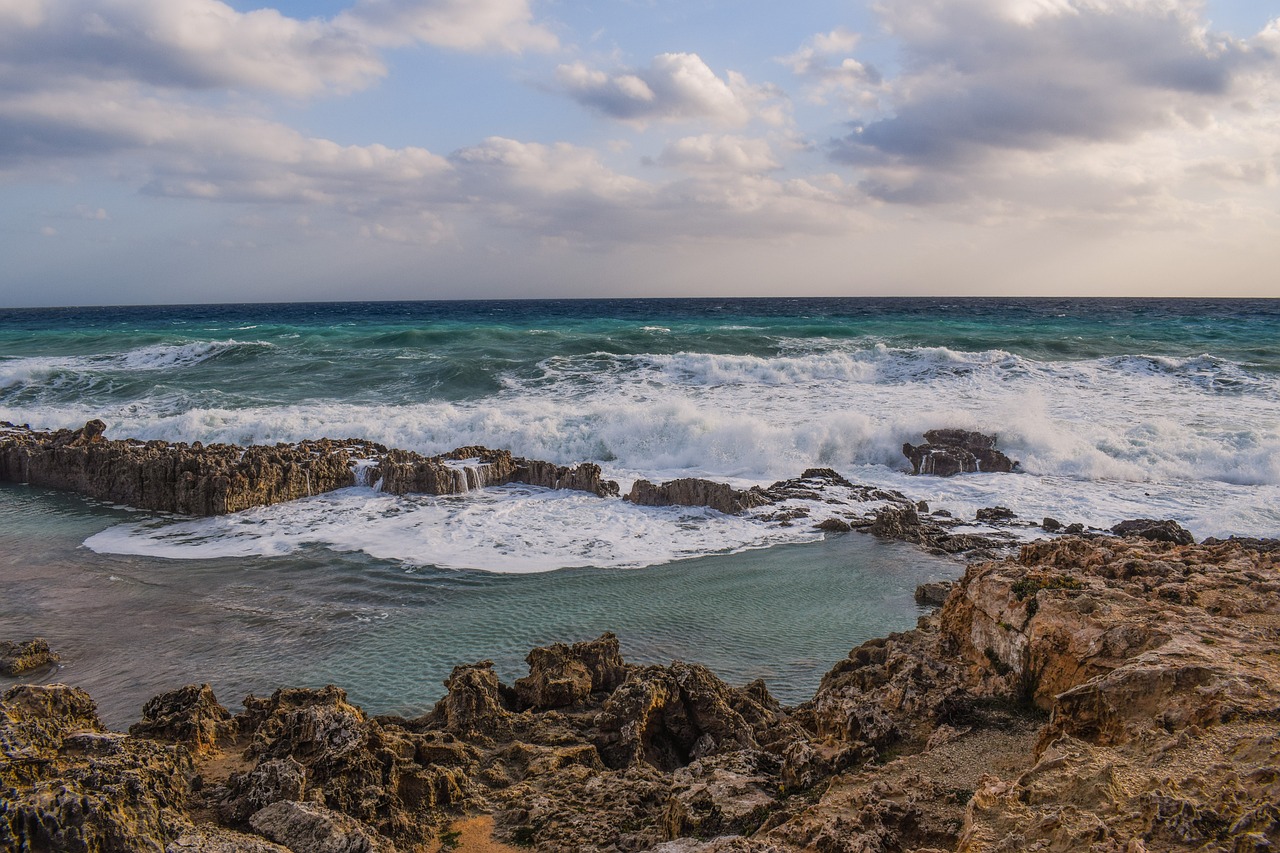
[691,491]
[215,479]
[947,452]
[1092,693]
[190,716]
[583,477]
[20,658]
[1156,531]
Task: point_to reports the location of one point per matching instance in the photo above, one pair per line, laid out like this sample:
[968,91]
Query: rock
[475,703]
[215,839]
[215,479]
[897,522]
[1051,525]
[669,716]
[271,781]
[692,491]
[66,785]
[189,715]
[834,525]
[310,828]
[562,676]
[933,594]
[995,513]
[1156,531]
[584,477]
[947,452]
[19,658]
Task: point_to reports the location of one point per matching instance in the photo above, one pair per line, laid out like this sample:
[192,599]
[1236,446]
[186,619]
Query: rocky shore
[1100,693]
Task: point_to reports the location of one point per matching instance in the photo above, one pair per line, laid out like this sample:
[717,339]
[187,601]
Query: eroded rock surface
[20,658]
[1091,693]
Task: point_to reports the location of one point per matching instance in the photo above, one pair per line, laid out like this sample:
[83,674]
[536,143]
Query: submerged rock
[20,658]
[947,452]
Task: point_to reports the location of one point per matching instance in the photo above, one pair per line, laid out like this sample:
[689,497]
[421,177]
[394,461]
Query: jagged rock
[729,795]
[1051,525]
[562,676]
[583,477]
[933,594]
[271,781]
[669,716]
[215,479]
[1156,531]
[189,715]
[19,658]
[834,525]
[691,491]
[475,704]
[311,828]
[947,452]
[995,513]
[68,786]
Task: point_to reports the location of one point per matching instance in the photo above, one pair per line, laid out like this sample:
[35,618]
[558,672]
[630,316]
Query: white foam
[508,529]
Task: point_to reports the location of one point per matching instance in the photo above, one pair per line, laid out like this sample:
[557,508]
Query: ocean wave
[506,530]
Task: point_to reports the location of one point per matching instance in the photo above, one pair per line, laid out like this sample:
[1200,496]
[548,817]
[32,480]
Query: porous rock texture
[215,479]
[21,658]
[1100,694]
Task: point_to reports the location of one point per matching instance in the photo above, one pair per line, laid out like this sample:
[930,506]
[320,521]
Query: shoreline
[994,725]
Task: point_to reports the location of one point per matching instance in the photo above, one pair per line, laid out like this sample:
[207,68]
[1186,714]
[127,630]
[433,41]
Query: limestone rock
[310,828]
[947,452]
[691,491]
[583,477]
[20,658]
[562,676]
[934,593]
[475,703]
[190,715]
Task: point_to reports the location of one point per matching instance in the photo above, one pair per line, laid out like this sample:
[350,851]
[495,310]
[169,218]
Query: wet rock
[189,715]
[584,477]
[1156,531]
[995,514]
[691,491]
[19,658]
[834,525]
[947,452]
[311,828]
[1051,525]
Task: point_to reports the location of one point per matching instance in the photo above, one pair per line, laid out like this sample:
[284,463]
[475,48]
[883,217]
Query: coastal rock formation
[216,479]
[1091,693]
[20,658]
[1156,531]
[947,452]
[691,491]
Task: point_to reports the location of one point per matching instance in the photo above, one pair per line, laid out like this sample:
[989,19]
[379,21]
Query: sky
[195,151]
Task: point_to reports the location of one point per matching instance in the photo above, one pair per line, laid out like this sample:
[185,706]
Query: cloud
[472,25]
[206,44]
[1041,86]
[674,87]
[720,153]
[826,62]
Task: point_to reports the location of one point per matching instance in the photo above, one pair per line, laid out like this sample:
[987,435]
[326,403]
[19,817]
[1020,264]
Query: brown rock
[311,828]
[19,658]
[562,676]
[692,491]
[189,715]
[947,452]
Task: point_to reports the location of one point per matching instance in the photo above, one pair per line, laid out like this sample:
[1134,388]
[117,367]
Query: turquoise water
[1115,408]
[131,627]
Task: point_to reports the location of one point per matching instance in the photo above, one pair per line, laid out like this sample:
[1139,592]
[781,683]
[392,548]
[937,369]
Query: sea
[1114,409]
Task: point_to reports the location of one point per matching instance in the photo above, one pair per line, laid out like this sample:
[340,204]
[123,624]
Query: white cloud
[206,44]
[720,153]
[674,87]
[458,24]
[825,61]
[1061,105]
